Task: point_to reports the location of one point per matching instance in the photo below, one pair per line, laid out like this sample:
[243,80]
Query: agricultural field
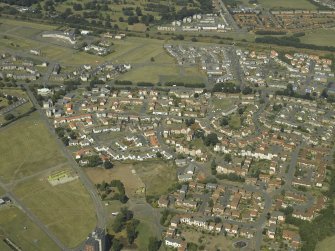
[36,147]
[287,4]
[65,209]
[23,232]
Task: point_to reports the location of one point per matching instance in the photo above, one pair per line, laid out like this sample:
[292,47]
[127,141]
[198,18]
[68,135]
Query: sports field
[65,209]
[33,149]
[23,232]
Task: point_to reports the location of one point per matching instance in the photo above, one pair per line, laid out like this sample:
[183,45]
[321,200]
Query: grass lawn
[327,244]
[32,148]
[319,37]
[12,223]
[123,172]
[287,4]
[209,241]
[150,73]
[235,122]
[144,233]
[157,176]
[221,104]
[66,209]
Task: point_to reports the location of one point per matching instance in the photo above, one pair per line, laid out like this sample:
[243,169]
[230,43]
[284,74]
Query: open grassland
[327,244]
[32,148]
[145,231]
[287,4]
[157,176]
[4,246]
[210,242]
[150,73]
[121,172]
[221,104]
[66,209]
[23,232]
[319,37]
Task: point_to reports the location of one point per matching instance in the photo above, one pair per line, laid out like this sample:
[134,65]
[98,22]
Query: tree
[189,122]
[211,139]
[77,7]
[192,246]
[138,11]
[131,230]
[154,244]
[224,121]
[9,116]
[118,223]
[108,165]
[117,245]
[227,157]
[213,164]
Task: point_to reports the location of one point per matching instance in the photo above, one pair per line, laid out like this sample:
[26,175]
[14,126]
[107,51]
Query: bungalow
[163,201]
[272,231]
[175,243]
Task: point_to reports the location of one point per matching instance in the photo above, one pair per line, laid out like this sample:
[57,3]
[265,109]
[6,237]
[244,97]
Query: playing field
[23,232]
[319,37]
[32,149]
[287,4]
[66,209]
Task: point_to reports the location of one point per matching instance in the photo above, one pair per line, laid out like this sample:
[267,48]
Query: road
[229,18]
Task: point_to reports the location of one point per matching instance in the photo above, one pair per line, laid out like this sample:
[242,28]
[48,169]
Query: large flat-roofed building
[96,241]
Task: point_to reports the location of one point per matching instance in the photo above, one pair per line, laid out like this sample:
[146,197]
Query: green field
[157,176]
[65,209]
[235,122]
[145,231]
[23,232]
[287,4]
[327,244]
[221,104]
[319,37]
[32,149]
